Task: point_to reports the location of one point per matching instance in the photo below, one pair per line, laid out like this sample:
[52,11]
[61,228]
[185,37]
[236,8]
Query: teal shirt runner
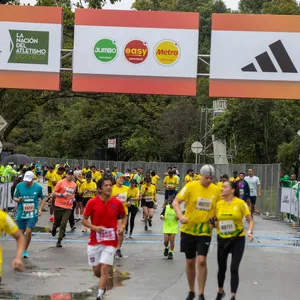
[29,207]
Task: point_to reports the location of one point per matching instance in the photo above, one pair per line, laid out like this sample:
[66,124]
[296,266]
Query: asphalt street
[269,270]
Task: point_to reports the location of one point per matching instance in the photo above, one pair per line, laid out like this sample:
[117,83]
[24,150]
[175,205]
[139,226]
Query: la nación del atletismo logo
[29,47]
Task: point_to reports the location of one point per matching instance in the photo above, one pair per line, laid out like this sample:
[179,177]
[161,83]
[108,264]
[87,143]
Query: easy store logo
[167,52]
[136,51]
[106,50]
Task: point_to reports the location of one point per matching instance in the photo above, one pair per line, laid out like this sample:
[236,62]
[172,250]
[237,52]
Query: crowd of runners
[107,202]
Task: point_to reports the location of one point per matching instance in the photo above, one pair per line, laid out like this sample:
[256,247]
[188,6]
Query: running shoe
[73,228]
[201,297]
[150,223]
[130,235]
[51,219]
[191,296]
[143,220]
[84,229]
[25,254]
[119,253]
[146,228]
[58,244]
[166,252]
[53,231]
[220,296]
[99,298]
[126,235]
[170,256]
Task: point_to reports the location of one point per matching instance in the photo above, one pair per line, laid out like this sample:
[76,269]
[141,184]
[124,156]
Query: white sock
[100,293]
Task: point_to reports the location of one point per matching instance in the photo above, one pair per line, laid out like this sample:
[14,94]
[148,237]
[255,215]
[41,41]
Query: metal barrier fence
[269,175]
[6,201]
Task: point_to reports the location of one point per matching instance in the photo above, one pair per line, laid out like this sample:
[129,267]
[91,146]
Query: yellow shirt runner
[200,204]
[230,217]
[122,195]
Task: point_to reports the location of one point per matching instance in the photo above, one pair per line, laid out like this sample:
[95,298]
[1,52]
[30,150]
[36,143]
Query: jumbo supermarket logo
[167,52]
[106,50]
[136,51]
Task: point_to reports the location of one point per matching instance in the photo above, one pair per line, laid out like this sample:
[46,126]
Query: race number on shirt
[28,207]
[226,227]
[204,204]
[148,198]
[107,235]
[69,191]
[122,197]
[241,192]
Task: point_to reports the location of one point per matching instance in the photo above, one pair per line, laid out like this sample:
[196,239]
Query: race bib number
[204,204]
[226,227]
[241,192]
[69,191]
[149,199]
[107,235]
[170,186]
[122,197]
[28,207]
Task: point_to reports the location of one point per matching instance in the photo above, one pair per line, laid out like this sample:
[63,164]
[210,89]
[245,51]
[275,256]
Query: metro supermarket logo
[167,52]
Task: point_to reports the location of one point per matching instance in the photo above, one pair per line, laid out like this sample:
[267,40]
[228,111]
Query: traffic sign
[197,147]
[3,123]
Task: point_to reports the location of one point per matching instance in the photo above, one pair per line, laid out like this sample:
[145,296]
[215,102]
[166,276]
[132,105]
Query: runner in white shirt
[255,189]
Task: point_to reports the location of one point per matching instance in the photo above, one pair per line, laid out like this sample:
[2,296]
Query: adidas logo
[266,64]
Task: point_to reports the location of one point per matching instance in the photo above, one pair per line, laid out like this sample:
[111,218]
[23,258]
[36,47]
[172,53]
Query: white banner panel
[286,198]
[229,59]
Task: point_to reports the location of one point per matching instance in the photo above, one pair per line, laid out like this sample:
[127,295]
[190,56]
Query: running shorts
[147,204]
[27,223]
[100,254]
[193,245]
[253,199]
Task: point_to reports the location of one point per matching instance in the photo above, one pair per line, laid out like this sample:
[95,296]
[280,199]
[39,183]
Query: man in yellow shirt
[7,225]
[189,176]
[154,178]
[50,177]
[96,176]
[170,183]
[235,177]
[223,179]
[200,198]
[114,172]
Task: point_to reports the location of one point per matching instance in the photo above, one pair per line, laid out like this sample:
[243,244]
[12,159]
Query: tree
[251,6]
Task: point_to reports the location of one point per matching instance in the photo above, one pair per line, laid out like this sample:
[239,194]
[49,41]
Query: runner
[200,198]
[170,183]
[120,192]
[38,168]
[148,192]
[64,192]
[235,177]
[189,176]
[244,190]
[114,172]
[87,191]
[96,175]
[170,228]
[8,226]
[231,235]
[223,179]
[79,180]
[27,195]
[103,210]
[127,180]
[133,207]
[138,177]
[255,189]
[154,178]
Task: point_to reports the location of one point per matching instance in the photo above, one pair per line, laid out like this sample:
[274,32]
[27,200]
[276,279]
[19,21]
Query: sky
[126,4]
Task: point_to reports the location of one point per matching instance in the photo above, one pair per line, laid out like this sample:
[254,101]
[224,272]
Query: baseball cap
[127,175]
[70,172]
[28,177]
[119,174]
[207,170]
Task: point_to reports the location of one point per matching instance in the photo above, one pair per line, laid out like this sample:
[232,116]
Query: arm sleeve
[163,212]
[184,193]
[258,181]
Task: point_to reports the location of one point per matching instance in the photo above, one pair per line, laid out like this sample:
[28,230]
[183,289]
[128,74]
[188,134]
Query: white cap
[207,170]
[28,176]
[127,175]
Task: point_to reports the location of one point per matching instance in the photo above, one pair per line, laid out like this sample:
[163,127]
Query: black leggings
[132,211]
[237,250]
